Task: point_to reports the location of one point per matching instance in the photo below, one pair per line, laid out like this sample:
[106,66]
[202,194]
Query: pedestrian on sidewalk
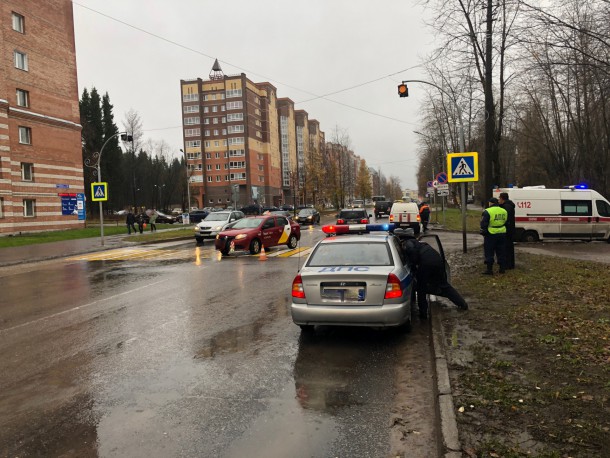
[430,275]
[153,218]
[493,228]
[130,221]
[509,206]
[141,223]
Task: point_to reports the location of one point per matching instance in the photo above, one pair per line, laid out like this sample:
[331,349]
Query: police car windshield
[351,254]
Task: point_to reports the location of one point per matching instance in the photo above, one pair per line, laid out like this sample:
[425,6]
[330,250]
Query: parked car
[196,216]
[288,207]
[162,218]
[252,209]
[254,232]
[308,216]
[286,213]
[353,216]
[375,290]
[214,223]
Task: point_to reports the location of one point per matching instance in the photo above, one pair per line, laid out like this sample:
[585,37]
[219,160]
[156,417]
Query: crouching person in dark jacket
[430,275]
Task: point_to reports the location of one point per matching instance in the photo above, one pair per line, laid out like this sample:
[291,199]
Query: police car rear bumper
[355,315]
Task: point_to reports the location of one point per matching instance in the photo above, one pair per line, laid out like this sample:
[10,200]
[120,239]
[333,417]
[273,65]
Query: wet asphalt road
[188,355]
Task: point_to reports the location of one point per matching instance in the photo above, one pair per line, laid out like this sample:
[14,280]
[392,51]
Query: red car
[251,233]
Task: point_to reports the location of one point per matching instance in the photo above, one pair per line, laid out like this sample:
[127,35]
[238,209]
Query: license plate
[344,294]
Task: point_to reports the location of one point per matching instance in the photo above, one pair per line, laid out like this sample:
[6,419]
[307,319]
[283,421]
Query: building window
[191,108]
[226,155]
[216,143]
[206,121]
[207,133]
[237,129]
[235,117]
[214,109]
[224,142]
[21,60]
[1,207]
[205,97]
[191,121]
[215,131]
[193,144]
[208,167]
[217,155]
[192,132]
[29,208]
[236,141]
[18,23]
[207,143]
[235,105]
[233,93]
[237,152]
[218,178]
[27,171]
[217,166]
[215,120]
[206,110]
[23,98]
[261,167]
[208,155]
[223,120]
[190,98]
[210,179]
[25,135]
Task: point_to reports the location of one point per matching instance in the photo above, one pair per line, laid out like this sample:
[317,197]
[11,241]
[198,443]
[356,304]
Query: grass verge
[452,219]
[530,361]
[73,234]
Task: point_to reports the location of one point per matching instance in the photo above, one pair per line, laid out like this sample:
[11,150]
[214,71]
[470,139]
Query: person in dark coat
[141,223]
[509,243]
[130,221]
[424,214]
[430,275]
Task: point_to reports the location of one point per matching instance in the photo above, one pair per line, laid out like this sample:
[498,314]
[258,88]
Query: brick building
[40,134]
[243,145]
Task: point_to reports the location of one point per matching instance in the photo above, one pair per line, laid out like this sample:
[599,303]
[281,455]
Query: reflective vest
[497,220]
[423,208]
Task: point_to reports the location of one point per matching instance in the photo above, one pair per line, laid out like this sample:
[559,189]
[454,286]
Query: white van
[406,214]
[570,213]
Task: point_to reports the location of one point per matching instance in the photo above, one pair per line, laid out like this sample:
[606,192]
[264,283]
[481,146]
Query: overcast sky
[139,50]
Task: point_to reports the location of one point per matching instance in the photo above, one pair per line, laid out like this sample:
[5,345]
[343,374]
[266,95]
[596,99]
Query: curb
[446,410]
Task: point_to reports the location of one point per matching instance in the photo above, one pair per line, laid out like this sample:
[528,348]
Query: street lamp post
[97,157]
[462,146]
[160,189]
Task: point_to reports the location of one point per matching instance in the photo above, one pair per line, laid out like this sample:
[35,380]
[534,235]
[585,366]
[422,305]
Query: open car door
[435,242]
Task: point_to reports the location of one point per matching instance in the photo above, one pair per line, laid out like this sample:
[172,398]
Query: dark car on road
[353,216]
[308,216]
[254,232]
[382,208]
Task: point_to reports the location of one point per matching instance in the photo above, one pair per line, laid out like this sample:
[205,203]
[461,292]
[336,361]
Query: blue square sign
[463,167]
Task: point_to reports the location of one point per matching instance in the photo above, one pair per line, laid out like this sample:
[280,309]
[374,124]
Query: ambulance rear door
[601,219]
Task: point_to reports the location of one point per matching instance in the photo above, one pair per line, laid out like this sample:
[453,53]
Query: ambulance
[571,213]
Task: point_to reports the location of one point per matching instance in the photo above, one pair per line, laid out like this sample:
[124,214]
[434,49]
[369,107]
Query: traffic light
[403,90]
[126,138]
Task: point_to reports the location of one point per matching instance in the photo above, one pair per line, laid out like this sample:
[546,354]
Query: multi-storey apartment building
[40,141]
[231,140]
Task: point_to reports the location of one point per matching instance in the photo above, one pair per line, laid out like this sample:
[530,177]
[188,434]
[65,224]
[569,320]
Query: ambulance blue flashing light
[576,186]
[355,228]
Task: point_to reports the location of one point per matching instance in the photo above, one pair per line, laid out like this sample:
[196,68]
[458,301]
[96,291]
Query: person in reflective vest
[493,228]
[424,214]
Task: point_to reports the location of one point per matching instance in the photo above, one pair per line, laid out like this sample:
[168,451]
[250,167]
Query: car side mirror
[370,215]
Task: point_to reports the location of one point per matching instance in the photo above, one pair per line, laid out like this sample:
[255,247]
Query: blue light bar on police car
[356,228]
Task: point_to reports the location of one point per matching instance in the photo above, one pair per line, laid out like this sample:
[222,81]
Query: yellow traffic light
[403,90]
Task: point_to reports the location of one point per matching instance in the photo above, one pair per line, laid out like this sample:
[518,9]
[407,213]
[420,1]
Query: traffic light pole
[403,91]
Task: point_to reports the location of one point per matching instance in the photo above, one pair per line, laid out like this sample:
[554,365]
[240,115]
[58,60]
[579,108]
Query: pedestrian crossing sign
[463,167]
[99,192]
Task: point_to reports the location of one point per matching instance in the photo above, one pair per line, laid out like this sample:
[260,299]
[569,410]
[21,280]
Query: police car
[354,280]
